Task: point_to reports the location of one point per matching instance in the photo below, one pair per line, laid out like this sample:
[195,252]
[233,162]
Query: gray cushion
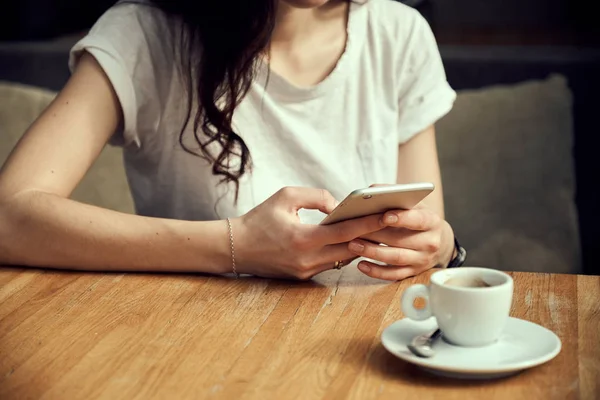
[506,159]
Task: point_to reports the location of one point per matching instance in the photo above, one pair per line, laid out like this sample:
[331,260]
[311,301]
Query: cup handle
[408,299]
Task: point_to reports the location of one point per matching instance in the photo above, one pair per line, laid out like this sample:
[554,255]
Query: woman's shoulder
[133,44]
[134,34]
[394,18]
[132,20]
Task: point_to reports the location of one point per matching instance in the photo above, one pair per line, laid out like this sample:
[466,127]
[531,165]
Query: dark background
[455,21]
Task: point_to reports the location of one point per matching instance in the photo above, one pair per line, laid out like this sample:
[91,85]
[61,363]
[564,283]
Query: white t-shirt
[341,134]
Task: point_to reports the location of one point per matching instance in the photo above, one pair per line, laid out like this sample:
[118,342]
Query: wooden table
[68,335]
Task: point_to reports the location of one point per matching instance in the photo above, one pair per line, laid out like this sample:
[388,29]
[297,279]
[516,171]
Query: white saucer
[522,345]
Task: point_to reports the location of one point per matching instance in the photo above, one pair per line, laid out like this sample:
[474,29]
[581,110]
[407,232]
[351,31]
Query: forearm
[418,162]
[40,229]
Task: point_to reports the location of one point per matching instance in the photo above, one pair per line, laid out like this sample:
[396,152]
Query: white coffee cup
[467,314]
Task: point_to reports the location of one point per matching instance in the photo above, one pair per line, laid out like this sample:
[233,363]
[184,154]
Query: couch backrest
[508,174]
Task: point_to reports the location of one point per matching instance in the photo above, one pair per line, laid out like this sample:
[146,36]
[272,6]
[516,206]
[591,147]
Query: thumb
[308,198]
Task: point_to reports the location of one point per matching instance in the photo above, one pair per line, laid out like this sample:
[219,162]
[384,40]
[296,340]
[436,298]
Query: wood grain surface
[72,335]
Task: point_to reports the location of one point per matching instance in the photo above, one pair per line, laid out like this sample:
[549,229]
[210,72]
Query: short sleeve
[129,43]
[425,95]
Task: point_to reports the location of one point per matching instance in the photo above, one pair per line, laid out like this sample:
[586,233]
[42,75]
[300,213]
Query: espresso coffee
[467,281]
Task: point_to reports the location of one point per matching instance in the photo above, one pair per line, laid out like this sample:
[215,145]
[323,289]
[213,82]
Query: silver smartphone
[377,200]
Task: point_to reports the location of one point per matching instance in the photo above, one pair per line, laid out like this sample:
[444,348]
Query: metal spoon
[421,345]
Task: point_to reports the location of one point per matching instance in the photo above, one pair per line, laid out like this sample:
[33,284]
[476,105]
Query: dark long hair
[217,49]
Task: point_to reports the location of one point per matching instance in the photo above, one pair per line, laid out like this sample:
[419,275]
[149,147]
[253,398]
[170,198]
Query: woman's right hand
[271,241]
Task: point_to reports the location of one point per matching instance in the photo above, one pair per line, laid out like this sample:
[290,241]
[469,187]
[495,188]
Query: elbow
[7,233]
[11,229]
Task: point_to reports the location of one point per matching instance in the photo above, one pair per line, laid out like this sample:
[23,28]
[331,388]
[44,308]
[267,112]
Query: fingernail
[391,219]
[356,247]
[364,268]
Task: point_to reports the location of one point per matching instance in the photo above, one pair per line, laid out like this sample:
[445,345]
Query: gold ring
[338,264]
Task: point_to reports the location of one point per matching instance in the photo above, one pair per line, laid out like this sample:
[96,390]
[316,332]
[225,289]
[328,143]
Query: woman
[262,112]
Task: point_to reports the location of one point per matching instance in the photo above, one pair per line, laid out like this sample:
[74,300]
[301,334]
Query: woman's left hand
[415,240]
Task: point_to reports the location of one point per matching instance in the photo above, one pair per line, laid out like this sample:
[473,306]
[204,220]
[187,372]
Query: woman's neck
[294,24]
[307,43]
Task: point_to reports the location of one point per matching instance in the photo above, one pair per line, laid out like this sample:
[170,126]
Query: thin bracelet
[232,249]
